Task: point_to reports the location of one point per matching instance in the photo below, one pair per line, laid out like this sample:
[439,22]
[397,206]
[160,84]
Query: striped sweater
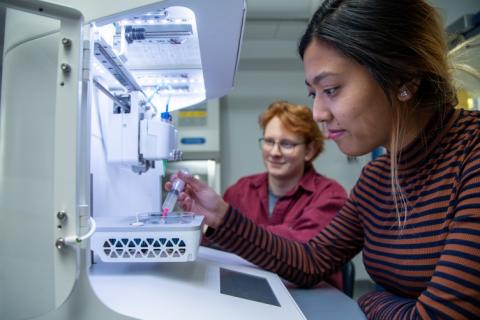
[430,269]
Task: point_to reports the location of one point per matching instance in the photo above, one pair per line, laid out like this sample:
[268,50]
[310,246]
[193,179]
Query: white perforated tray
[154,239]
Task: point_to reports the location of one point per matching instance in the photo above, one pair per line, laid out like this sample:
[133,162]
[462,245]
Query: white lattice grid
[146,247]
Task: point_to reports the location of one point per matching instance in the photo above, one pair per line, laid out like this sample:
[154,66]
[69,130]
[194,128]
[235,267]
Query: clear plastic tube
[172,196]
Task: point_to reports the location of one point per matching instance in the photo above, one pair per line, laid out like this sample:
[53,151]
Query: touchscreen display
[246,286]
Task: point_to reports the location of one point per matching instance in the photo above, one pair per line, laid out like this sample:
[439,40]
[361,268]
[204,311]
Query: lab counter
[218,285]
[326,302]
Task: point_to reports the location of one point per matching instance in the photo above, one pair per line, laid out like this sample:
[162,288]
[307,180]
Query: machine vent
[127,249]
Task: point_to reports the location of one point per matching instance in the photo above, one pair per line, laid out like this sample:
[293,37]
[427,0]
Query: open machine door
[39,142]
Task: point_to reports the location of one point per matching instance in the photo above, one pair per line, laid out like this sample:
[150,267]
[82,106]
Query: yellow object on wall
[465,100]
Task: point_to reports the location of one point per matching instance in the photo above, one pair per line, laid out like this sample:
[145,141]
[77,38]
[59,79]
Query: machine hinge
[86,61]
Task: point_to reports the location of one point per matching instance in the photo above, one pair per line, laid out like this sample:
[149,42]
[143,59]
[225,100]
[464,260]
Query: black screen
[246,286]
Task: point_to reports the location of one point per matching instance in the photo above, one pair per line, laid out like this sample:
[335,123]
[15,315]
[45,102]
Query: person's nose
[276,149]
[320,111]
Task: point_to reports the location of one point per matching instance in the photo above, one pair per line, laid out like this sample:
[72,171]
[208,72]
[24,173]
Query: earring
[404,94]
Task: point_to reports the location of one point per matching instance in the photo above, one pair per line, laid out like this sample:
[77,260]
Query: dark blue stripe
[396,287]
[414,178]
[463,255]
[416,245]
[412,199]
[419,235]
[410,226]
[432,255]
[436,160]
[426,267]
[351,225]
[434,312]
[433,175]
[338,231]
[430,312]
[391,216]
[473,232]
[460,267]
[469,218]
[451,305]
[384,204]
[412,188]
[467,243]
[386,201]
[472,169]
[473,286]
[419,280]
[431,222]
[467,206]
[471,186]
[420,204]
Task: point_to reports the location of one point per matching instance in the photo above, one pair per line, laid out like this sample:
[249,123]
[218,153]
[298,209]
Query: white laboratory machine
[88,88]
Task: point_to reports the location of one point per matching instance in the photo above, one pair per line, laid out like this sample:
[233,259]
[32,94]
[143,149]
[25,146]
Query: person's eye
[287,144]
[311,95]
[331,91]
[269,142]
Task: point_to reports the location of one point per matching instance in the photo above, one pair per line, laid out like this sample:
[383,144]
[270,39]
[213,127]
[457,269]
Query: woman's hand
[199,198]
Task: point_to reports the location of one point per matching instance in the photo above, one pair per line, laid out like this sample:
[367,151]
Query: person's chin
[353,150]
[276,169]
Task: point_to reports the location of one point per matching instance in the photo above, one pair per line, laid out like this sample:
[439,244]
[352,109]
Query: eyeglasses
[286,146]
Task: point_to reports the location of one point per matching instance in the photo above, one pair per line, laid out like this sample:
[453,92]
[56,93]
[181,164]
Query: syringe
[171,198]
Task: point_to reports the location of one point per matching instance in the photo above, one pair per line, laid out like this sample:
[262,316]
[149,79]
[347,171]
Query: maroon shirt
[298,215]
